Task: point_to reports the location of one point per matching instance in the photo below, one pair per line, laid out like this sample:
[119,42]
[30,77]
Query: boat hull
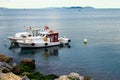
[40,45]
[37,42]
[14,39]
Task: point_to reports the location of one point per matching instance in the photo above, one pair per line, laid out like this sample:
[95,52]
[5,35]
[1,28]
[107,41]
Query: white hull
[14,39]
[38,42]
[19,36]
[38,45]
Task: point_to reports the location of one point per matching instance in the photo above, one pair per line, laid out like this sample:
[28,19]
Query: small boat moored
[21,35]
[44,38]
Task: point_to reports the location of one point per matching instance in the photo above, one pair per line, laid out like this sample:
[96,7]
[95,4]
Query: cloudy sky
[59,3]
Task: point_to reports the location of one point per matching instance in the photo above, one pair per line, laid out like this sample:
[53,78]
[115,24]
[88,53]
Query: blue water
[99,58]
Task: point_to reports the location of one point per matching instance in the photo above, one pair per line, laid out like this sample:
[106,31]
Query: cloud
[5,0]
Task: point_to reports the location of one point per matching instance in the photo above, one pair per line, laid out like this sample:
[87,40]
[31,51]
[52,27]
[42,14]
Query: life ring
[33,44]
[46,44]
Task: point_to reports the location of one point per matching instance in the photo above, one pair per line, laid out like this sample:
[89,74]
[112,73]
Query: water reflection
[46,52]
[46,58]
[50,51]
[13,45]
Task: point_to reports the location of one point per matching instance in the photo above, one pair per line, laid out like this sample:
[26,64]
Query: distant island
[78,7]
[75,7]
[3,8]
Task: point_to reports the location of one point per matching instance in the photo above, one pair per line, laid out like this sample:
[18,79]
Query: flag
[46,28]
[51,31]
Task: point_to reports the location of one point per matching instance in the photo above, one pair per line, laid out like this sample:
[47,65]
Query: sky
[59,3]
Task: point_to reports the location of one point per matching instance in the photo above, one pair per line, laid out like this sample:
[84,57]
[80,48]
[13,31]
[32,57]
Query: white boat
[43,38]
[21,35]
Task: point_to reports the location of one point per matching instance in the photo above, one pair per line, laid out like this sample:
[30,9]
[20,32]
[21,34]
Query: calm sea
[99,58]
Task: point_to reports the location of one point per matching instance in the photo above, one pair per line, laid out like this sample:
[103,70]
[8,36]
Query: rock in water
[74,75]
[28,62]
[4,58]
[10,76]
[25,78]
[5,67]
[63,77]
[4,64]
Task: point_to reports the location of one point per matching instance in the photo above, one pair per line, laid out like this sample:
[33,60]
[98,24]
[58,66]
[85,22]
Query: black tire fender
[69,40]
[46,44]
[33,44]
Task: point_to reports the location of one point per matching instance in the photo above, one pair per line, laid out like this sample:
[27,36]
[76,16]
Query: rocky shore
[26,71]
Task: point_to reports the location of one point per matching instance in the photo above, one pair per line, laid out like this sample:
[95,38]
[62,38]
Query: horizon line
[57,7]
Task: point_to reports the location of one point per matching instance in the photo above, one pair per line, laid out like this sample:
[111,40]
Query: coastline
[26,71]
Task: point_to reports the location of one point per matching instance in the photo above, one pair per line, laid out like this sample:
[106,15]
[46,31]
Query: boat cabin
[53,37]
[23,34]
[35,32]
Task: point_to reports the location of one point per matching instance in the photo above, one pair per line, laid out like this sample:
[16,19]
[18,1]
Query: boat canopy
[23,34]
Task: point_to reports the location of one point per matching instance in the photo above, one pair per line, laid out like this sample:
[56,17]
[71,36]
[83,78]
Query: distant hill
[88,7]
[75,7]
[3,8]
[78,7]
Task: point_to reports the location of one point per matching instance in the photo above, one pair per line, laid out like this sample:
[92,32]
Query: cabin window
[52,38]
[23,36]
[29,35]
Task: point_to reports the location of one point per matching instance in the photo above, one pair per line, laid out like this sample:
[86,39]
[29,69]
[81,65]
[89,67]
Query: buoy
[85,40]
